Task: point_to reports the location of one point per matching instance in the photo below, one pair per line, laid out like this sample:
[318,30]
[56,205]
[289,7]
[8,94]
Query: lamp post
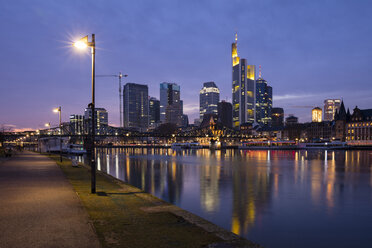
[58,110]
[48,126]
[82,44]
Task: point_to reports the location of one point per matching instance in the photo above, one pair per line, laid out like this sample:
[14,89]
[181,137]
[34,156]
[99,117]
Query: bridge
[211,132]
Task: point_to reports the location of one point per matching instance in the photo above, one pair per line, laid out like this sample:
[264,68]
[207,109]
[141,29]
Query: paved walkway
[38,206]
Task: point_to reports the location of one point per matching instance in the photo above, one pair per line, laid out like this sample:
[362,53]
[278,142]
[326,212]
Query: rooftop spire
[236,37]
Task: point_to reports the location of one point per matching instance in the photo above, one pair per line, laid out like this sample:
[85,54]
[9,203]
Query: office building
[76,124]
[264,102]
[316,114]
[330,108]
[101,119]
[277,117]
[208,99]
[225,113]
[243,88]
[170,104]
[154,111]
[136,106]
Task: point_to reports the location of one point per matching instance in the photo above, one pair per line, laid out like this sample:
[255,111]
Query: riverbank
[125,216]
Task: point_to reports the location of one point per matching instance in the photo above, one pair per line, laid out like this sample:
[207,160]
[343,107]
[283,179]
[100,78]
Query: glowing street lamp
[58,110]
[81,44]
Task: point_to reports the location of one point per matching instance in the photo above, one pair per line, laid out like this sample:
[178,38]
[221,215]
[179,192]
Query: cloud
[8,125]
[293,96]
[191,108]
[23,129]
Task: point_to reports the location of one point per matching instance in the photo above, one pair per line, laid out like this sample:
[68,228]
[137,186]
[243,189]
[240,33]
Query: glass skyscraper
[208,99]
[136,106]
[76,124]
[330,108]
[225,113]
[154,111]
[243,88]
[264,102]
[170,104]
[101,118]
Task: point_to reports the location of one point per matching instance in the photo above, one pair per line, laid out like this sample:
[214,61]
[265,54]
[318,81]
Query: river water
[274,198]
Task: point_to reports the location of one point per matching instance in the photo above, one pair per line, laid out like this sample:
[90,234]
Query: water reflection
[260,194]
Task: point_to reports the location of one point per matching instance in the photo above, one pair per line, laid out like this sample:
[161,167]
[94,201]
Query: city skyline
[319,51]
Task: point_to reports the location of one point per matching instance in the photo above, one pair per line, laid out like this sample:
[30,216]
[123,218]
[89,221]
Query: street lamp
[83,43]
[58,110]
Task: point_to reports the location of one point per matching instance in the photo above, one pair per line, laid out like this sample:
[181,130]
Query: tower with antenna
[243,85]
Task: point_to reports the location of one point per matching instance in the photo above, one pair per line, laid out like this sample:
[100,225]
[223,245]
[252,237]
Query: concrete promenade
[38,206]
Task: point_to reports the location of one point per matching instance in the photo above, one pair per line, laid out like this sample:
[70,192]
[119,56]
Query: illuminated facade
[136,106]
[170,104]
[359,128]
[330,108]
[243,88]
[208,99]
[316,114]
[264,102]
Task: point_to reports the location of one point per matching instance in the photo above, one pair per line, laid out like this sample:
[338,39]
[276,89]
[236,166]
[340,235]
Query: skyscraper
[77,124]
[264,102]
[154,111]
[243,88]
[136,108]
[170,104]
[330,108]
[225,113]
[277,117]
[208,99]
[101,118]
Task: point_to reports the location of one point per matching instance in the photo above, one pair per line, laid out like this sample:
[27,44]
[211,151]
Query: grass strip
[125,216]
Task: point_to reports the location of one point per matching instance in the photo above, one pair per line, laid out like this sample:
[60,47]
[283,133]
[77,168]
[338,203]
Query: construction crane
[120,94]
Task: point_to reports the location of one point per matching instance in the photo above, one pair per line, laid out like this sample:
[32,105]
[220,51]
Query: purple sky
[308,50]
